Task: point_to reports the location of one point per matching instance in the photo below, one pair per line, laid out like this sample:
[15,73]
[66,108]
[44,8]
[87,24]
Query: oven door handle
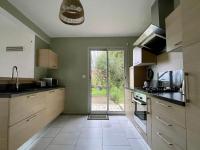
[139,102]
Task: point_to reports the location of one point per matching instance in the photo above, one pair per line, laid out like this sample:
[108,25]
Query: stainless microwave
[51,82]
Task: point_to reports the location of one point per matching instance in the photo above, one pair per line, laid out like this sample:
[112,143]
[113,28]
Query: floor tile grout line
[52,140]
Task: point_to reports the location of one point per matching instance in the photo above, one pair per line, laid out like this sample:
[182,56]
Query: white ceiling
[104,18]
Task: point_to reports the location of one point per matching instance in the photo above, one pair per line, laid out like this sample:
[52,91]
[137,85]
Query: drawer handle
[31,118]
[168,106]
[30,96]
[178,43]
[164,122]
[164,139]
[187,90]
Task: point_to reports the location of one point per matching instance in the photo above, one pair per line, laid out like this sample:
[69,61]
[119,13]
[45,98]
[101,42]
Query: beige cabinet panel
[168,126]
[129,106]
[161,142]
[169,111]
[54,103]
[174,36]
[22,117]
[24,106]
[131,77]
[47,59]
[4,119]
[137,76]
[142,57]
[191,21]
[174,133]
[21,132]
[149,122]
[191,57]
[53,60]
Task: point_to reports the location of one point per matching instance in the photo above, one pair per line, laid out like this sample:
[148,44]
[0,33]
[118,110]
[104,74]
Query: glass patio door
[106,81]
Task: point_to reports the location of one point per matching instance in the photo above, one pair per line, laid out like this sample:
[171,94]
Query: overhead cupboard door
[191,21]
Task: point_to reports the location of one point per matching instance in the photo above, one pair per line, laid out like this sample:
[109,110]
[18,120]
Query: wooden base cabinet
[168,126]
[54,103]
[25,129]
[23,116]
[129,106]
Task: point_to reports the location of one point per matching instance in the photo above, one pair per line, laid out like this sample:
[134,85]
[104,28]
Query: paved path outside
[99,103]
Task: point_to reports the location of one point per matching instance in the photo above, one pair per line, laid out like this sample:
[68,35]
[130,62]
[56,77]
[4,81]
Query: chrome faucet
[17,77]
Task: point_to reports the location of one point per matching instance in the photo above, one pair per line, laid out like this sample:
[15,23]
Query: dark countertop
[172,97]
[5,94]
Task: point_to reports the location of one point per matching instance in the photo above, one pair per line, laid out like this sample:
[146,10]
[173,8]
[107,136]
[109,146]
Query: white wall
[11,34]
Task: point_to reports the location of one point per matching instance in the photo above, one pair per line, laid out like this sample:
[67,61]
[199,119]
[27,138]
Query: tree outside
[116,76]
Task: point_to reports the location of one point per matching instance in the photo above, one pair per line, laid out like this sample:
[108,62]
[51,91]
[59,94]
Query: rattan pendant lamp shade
[71,12]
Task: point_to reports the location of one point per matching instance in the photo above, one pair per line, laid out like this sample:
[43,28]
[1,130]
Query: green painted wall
[39,44]
[16,13]
[73,63]
[176,3]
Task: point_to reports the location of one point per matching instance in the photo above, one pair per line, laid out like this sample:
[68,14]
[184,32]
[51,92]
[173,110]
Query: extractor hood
[154,38]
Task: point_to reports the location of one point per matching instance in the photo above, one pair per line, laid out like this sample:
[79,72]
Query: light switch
[83,76]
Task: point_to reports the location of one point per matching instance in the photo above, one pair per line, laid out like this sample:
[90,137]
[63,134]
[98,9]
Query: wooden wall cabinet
[48,59]
[137,76]
[191,21]
[22,117]
[142,57]
[174,30]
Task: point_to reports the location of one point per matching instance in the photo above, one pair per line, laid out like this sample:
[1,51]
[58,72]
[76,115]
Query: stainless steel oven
[140,113]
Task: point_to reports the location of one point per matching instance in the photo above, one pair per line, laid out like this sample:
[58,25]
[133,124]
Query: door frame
[107,49]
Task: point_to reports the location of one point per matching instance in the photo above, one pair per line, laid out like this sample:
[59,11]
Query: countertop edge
[12,95]
[170,100]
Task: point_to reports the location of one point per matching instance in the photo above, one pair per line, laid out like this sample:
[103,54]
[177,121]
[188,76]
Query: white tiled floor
[77,133]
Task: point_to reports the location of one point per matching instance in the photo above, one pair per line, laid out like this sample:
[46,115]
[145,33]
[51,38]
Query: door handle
[162,104]
[52,92]
[164,139]
[31,118]
[187,90]
[31,96]
[148,105]
[178,43]
[163,122]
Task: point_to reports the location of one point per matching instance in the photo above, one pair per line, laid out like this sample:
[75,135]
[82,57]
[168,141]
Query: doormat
[98,117]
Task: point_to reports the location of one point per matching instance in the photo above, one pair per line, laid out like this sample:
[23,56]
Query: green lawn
[97,92]
[117,94]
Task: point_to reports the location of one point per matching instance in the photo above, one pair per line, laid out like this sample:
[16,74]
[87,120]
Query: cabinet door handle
[163,122]
[31,118]
[148,105]
[178,43]
[187,90]
[164,139]
[168,106]
[31,96]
